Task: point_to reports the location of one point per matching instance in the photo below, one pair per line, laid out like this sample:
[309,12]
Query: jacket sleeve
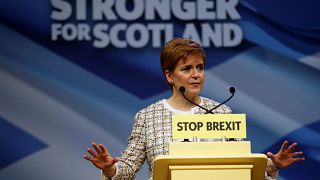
[134,155]
[271,172]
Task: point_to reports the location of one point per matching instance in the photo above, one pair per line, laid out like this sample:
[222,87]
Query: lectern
[231,160]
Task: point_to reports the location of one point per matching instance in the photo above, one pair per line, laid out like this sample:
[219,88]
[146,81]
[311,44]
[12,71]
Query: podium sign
[209,126]
[231,160]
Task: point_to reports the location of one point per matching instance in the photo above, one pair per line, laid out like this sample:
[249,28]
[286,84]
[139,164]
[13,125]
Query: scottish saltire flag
[76,72]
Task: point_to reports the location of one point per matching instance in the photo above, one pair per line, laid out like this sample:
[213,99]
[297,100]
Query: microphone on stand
[182,90]
[232,90]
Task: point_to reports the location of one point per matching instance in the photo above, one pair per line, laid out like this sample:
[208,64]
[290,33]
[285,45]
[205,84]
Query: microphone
[232,90]
[182,90]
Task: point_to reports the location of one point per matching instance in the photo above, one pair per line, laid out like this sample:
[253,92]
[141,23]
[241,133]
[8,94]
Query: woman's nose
[195,73]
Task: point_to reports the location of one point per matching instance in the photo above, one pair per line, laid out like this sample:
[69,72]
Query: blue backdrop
[56,97]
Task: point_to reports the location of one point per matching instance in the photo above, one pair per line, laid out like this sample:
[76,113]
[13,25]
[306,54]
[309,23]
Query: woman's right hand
[102,159]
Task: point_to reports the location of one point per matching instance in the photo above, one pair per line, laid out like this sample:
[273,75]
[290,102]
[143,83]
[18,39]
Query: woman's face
[188,73]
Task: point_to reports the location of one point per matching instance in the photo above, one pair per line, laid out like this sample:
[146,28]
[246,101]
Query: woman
[182,63]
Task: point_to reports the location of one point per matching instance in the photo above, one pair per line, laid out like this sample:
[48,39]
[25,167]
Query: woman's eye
[200,68]
[186,69]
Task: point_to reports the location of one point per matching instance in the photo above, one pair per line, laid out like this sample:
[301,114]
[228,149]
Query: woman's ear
[168,75]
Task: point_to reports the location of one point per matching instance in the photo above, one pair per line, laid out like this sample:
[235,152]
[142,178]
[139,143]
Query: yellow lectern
[230,160]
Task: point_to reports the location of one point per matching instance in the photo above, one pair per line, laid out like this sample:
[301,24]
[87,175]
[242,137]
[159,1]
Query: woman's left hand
[286,157]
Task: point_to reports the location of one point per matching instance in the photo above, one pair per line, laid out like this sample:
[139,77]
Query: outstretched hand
[101,157]
[286,157]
